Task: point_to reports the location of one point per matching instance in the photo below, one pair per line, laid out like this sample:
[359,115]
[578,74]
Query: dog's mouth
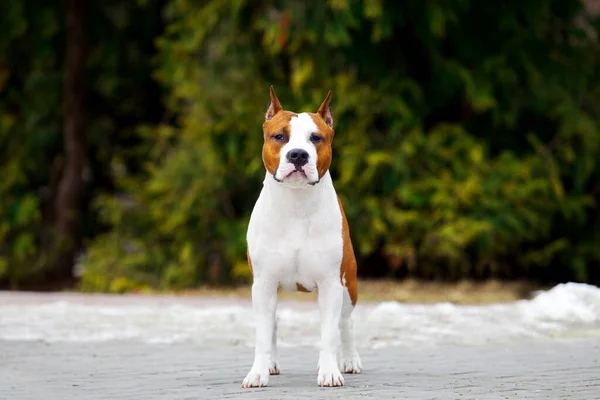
[296,173]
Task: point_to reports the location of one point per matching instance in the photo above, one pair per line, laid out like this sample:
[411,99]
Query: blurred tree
[40,118]
[68,202]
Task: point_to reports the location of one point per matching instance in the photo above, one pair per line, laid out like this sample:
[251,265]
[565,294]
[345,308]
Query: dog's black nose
[298,157]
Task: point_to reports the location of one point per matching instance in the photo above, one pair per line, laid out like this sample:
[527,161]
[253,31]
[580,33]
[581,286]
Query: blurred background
[467,136]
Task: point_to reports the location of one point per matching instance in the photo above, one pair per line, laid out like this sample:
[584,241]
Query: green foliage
[32,64]
[29,125]
[462,146]
[466,136]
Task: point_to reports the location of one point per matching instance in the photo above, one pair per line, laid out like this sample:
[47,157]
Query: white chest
[295,235]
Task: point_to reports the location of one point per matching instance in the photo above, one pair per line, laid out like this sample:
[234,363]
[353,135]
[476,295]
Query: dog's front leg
[264,302]
[330,308]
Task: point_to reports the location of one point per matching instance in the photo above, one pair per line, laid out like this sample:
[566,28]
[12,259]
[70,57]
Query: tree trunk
[68,202]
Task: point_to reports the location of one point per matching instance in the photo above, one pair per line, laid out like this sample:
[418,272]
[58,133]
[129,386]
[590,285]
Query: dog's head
[297,147]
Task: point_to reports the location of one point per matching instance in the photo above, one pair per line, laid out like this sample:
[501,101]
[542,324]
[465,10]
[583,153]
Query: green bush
[466,137]
[466,145]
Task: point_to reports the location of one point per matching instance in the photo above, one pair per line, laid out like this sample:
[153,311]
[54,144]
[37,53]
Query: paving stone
[549,369]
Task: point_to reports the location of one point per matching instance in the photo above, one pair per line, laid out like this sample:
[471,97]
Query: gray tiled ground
[122,370]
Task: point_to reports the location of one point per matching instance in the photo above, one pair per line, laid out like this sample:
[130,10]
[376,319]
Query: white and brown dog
[298,238]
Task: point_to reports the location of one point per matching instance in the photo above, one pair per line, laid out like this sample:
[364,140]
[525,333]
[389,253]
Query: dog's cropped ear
[325,110]
[274,106]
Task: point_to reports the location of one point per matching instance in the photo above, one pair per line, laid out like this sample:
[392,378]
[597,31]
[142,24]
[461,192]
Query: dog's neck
[298,201]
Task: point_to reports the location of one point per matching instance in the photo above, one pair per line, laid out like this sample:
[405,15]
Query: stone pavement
[551,369]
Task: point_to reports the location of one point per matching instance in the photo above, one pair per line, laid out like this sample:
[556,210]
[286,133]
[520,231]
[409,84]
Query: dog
[298,238]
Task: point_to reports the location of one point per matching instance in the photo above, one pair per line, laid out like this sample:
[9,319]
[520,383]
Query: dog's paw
[351,364]
[274,368]
[329,375]
[256,379]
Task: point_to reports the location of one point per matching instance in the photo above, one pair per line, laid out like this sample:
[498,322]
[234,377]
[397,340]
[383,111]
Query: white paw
[330,377]
[273,368]
[351,364]
[256,379]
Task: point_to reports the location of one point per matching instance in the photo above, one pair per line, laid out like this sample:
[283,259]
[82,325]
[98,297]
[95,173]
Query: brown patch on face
[348,266]
[323,147]
[279,124]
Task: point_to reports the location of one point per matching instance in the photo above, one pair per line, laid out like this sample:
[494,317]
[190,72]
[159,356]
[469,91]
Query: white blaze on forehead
[301,127]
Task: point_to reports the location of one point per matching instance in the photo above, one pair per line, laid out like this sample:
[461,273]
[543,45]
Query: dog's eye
[280,137]
[315,138]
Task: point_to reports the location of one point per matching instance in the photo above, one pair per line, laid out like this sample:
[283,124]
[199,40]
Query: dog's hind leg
[273,367]
[349,360]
